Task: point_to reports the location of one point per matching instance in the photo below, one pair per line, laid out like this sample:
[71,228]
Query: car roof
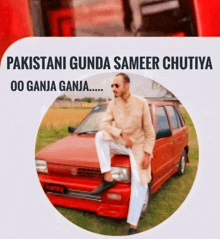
[159,101]
[163,101]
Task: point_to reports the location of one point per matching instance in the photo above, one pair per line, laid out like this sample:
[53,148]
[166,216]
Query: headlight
[121,174]
[41,166]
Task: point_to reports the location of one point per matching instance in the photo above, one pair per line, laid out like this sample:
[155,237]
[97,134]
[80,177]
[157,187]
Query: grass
[54,125]
[193,143]
[60,117]
[163,203]
[48,136]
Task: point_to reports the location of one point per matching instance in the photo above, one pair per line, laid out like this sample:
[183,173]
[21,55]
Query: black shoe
[103,187]
[132,231]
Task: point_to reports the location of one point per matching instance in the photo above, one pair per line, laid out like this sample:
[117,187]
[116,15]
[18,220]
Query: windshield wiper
[88,132]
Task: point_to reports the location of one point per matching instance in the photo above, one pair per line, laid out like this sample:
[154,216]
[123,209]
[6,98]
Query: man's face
[119,87]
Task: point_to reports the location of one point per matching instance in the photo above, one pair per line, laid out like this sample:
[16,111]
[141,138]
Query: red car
[69,169]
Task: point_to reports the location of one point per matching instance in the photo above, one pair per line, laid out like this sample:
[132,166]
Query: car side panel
[163,157]
[179,144]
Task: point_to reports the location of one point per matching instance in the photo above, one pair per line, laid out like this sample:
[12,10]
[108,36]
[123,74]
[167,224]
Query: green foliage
[101,100]
[63,97]
[193,143]
[86,99]
[92,99]
[47,136]
[89,100]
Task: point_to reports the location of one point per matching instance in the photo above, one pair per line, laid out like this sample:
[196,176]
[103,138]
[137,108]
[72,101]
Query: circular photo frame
[69,169]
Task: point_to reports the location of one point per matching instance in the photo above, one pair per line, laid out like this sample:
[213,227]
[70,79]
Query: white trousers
[105,148]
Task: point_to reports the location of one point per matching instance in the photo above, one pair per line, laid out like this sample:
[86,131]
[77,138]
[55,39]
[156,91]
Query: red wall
[208,17]
[15,22]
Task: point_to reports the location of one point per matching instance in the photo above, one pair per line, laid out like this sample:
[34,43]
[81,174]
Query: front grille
[89,173]
[74,171]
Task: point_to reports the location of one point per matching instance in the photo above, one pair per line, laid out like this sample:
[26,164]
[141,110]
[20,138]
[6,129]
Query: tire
[146,205]
[182,164]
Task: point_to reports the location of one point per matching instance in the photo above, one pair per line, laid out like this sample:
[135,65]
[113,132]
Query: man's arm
[128,141]
[107,120]
[149,136]
[106,125]
[146,160]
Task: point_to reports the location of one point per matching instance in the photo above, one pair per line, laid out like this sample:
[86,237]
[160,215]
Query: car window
[162,121]
[179,117]
[174,117]
[93,120]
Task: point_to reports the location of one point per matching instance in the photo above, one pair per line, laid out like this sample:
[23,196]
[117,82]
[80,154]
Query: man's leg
[136,14]
[103,148]
[138,191]
[103,151]
[138,194]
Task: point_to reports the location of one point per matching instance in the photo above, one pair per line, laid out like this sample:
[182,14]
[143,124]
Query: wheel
[146,205]
[182,164]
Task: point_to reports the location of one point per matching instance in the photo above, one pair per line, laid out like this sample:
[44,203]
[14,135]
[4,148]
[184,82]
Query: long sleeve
[148,128]
[107,121]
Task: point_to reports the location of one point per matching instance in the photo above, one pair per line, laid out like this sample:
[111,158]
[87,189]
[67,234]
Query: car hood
[77,150]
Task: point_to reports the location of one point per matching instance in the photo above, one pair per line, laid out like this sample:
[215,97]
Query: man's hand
[128,142]
[146,161]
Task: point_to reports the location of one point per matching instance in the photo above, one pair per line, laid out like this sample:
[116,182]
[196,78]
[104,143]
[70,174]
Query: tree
[89,100]
[101,100]
[63,97]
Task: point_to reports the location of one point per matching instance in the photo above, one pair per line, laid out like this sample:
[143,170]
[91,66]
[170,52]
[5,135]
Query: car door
[163,149]
[179,133]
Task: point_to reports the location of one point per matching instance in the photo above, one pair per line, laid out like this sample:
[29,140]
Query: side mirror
[71,129]
[163,133]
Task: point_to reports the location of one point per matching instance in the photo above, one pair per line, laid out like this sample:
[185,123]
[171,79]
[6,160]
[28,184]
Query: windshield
[90,124]
[92,121]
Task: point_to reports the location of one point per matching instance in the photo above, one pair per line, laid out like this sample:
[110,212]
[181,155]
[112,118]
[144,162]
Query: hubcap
[183,164]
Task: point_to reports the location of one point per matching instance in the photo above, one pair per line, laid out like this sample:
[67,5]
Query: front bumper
[77,196]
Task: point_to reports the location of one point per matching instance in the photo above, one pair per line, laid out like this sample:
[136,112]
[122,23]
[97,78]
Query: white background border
[25,210]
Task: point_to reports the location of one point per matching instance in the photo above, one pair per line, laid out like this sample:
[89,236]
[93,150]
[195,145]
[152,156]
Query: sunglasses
[116,85]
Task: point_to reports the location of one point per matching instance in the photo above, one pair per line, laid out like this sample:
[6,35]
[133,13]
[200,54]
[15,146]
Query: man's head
[121,85]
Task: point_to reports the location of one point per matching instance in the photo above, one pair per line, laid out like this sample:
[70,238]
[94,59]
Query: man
[127,18]
[137,19]
[132,16]
[126,128]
